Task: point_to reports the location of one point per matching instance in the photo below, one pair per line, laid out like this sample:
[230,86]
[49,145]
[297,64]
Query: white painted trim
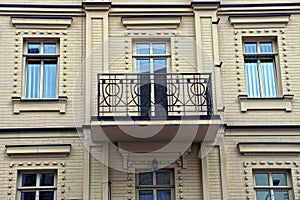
[284,103]
[259,21]
[34,150]
[45,105]
[43,23]
[171,22]
[269,148]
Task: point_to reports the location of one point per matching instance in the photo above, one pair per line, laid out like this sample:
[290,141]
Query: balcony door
[151,65]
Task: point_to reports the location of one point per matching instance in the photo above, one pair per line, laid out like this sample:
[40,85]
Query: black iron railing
[152,95]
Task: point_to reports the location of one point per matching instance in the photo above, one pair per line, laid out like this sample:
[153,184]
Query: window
[34,185]
[157,185]
[260,68]
[41,66]
[272,185]
[152,58]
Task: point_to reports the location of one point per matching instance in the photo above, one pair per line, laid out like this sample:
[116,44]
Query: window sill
[34,105]
[276,103]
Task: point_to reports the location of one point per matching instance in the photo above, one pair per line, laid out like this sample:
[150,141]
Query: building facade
[159,100]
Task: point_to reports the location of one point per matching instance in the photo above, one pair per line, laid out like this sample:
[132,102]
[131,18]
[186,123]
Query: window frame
[258,57]
[42,58]
[154,187]
[37,189]
[271,188]
[151,56]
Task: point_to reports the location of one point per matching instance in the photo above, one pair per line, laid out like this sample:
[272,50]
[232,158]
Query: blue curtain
[250,48]
[252,79]
[33,81]
[268,79]
[49,85]
[266,47]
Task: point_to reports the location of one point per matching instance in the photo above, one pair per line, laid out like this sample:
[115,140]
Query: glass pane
[46,195]
[261,179]
[250,48]
[143,49]
[27,195]
[33,80]
[34,48]
[145,195]
[281,195]
[28,180]
[279,179]
[263,195]
[50,48]
[162,178]
[146,178]
[268,79]
[49,85]
[47,179]
[266,47]
[163,194]
[143,65]
[252,79]
[160,65]
[159,48]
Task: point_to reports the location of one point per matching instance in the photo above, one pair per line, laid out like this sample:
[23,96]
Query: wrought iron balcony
[154,95]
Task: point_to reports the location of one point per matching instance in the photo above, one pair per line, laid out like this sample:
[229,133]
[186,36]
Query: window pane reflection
[28,180]
[262,179]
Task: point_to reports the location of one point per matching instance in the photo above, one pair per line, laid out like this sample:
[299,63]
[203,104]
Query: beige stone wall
[182,45]
[69,169]
[240,167]
[12,75]
[187,177]
[233,74]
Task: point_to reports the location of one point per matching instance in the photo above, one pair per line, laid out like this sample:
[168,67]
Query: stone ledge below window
[267,148]
[280,103]
[34,105]
[54,150]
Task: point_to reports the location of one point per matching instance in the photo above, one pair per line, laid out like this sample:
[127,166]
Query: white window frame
[156,187]
[41,57]
[37,188]
[272,188]
[152,56]
[264,56]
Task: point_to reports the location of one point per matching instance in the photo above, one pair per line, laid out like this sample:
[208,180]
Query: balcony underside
[156,131]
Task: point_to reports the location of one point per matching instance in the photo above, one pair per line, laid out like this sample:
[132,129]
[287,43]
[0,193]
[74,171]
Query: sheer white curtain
[49,84]
[33,81]
[268,79]
[252,79]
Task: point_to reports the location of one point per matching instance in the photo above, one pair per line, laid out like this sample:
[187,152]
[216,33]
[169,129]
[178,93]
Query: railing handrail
[173,73]
[179,93]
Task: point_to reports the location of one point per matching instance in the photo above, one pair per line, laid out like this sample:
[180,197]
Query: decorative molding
[259,21]
[41,22]
[19,69]
[151,22]
[249,166]
[53,150]
[283,103]
[28,165]
[265,148]
[34,105]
